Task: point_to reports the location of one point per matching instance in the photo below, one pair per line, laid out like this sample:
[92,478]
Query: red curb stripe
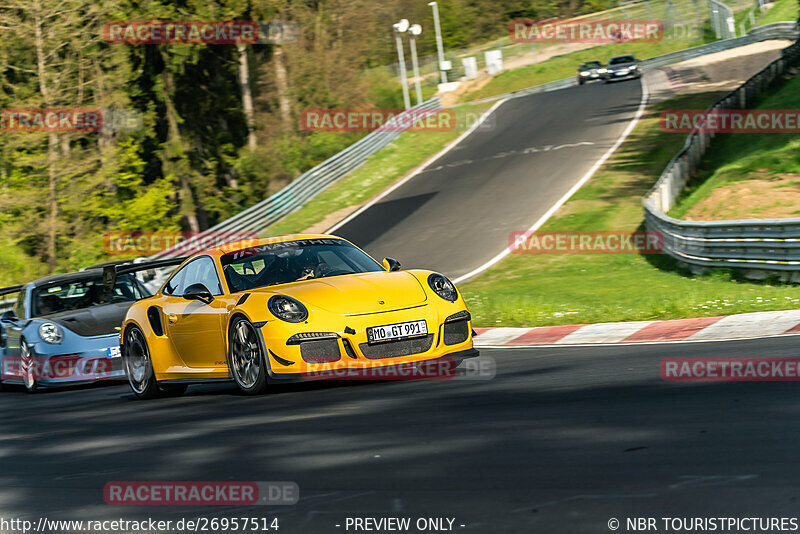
[673,330]
[544,335]
[479,331]
[793,330]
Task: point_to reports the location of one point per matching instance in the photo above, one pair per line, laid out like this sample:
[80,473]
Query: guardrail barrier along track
[761,246]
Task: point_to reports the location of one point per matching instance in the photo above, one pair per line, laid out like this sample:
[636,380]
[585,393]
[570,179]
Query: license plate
[396,331]
[113,352]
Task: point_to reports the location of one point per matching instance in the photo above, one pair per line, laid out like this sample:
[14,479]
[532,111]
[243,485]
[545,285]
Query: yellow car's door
[195,319]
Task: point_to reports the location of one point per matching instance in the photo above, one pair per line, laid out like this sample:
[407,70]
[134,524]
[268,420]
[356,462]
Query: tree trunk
[52,141]
[247,95]
[281,79]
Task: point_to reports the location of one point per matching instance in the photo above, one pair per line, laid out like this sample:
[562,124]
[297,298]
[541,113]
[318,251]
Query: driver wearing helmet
[310,266]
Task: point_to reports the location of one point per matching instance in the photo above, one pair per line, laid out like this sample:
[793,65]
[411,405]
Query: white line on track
[506,251]
[675,341]
[421,168]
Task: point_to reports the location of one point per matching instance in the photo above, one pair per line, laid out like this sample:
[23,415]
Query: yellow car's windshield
[292,261]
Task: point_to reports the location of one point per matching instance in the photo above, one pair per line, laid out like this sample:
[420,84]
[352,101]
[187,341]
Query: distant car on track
[64,329]
[286,308]
[622,67]
[590,70]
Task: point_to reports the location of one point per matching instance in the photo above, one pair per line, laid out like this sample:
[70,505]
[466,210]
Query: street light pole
[415,30]
[399,28]
[439,46]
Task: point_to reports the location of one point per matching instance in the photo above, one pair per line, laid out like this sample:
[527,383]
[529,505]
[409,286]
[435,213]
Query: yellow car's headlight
[443,287]
[287,309]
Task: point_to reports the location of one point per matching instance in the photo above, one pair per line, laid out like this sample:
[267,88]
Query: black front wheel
[138,366]
[246,359]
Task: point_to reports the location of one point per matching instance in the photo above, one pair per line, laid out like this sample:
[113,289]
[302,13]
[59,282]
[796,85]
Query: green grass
[735,157]
[531,290]
[780,11]
[391,163]
[560,67]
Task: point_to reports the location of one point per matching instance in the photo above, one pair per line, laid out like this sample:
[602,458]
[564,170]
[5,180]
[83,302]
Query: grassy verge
[780,11]
[745,156]
[391,163]
[531,290]
[565,66]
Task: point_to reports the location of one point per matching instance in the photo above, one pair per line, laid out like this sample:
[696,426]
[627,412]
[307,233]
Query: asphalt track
[457,213]
[561,440]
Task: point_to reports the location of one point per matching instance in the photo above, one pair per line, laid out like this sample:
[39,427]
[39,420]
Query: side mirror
[8,315]
[198,292]
[391,264]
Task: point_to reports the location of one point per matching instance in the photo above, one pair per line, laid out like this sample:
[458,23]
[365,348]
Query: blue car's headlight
[51,333]
[287,309]
[443,287]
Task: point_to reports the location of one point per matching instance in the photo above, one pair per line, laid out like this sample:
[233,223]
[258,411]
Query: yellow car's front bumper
[344,345]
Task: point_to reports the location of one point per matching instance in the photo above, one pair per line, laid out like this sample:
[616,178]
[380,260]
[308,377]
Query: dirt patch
[776,197]
[723,71]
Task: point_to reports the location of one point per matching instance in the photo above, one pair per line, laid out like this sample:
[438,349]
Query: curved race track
[457,213]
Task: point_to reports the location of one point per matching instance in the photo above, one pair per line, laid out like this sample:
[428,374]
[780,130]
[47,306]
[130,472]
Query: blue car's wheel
[138,366]
[28,364]
[245,358]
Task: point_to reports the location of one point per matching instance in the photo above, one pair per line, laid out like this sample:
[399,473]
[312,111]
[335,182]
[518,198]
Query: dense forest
[218,122]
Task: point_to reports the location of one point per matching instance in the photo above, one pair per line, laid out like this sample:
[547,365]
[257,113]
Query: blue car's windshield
[292,261]
[69,295]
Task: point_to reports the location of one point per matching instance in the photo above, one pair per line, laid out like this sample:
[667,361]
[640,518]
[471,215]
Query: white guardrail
[759,245]
[314,181]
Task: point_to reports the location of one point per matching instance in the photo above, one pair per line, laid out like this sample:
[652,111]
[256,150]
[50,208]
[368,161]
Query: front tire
[246,360]
[138,366]
[28,367]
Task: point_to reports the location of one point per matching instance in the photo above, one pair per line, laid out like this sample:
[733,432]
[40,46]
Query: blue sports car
[64,329]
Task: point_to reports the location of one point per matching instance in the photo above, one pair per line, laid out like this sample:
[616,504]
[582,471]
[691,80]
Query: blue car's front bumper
[93,359]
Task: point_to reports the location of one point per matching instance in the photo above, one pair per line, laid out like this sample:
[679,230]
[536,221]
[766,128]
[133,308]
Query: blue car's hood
[93,321]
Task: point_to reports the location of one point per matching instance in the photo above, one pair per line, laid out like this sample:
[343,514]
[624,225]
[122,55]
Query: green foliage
[191,164]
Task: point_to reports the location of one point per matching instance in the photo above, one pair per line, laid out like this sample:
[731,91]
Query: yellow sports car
[289,307]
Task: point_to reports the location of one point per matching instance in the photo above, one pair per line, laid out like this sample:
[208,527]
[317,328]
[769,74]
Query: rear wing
[6,303]
[9,290]
[110,272]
